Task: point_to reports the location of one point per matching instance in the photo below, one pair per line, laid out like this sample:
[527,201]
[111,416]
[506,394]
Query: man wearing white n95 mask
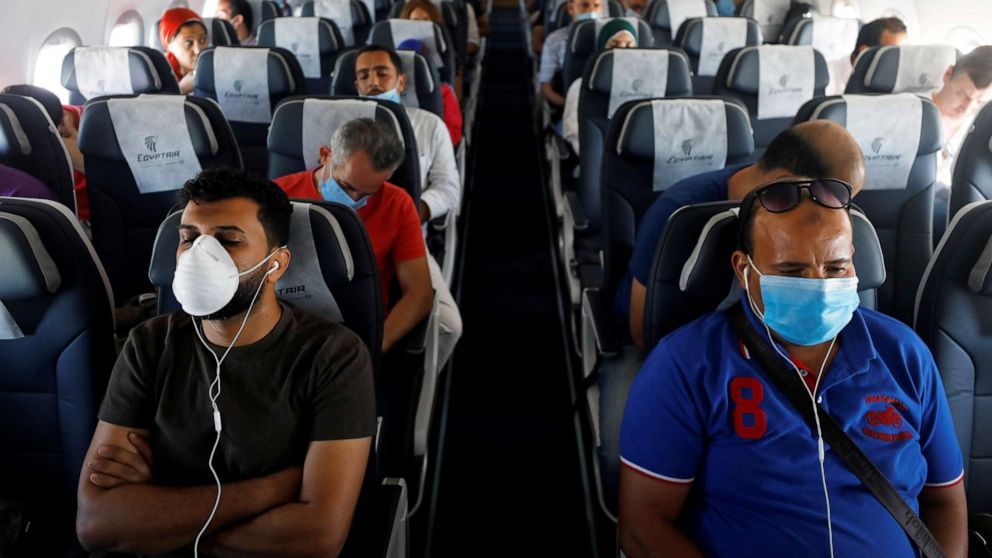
[717,461]
[277,402]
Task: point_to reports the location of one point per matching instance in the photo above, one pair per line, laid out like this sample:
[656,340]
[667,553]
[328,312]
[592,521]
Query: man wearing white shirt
[967,86]
[379,74]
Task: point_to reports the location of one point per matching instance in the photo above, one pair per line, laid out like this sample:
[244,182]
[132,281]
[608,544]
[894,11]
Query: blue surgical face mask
[587,16]
[331,191]
[391,95]
[805,311]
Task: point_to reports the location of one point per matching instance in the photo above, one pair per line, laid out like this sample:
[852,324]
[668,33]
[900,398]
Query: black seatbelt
[792,386]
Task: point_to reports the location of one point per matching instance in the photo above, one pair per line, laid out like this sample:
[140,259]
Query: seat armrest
[415,341]
[596,308]
[382,530]
[574,206]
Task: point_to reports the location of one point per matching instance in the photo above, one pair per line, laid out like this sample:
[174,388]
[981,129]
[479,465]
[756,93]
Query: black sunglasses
[784,195]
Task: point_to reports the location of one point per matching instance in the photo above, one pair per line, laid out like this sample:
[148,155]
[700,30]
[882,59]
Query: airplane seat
[266,10]
[454,14]
[612,78]
[691,273]
[954,317]
[352,17]
[423,84]
[392,32]
[561,18]
[773,82]
[247,83]
[666,17]
[581,45]
[901,69]
[316,43]
[651,145]
[770,15]
[900,137]
[90,72]
[972,178]
[707,40]
[30,142]
[57,342]
[139,150]
[301,125]
[220,32]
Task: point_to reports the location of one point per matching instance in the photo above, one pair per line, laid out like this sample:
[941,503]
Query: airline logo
[878,154]
[153,155]
[784,88]
[687,147]
[238,95]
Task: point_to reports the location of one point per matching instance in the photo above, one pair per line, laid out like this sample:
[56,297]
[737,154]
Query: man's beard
[243,297]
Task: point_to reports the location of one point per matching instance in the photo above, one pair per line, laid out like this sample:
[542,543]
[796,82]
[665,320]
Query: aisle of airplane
[612,139]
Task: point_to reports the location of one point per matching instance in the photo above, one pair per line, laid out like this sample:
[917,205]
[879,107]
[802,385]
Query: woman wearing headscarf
[183,35]
[618,33]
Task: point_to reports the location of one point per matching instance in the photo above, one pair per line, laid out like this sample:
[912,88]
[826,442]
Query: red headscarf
[168,28]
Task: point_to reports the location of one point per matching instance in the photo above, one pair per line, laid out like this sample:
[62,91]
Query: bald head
[816,149]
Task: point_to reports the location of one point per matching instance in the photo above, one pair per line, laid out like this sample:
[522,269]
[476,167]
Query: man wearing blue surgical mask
[237,401]
[553,52]
[718,462]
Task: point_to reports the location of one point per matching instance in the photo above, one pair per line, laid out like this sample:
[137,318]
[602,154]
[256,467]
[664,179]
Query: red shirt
[452,114]
[390,218]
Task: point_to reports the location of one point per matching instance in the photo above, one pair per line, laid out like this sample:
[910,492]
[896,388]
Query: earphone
[821,453]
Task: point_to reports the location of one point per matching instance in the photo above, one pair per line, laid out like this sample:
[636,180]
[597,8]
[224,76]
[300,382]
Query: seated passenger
[883,31]
[183,35]
[816,148]
[66,119]
[353,171]
[452,110]
[634,8]
[19,184]
[425,10]
[618,33]
[717,461]
[239,13]
[295,401]
[967,86]
[553,52]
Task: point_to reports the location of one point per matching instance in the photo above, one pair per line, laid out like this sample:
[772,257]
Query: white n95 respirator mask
[207,279]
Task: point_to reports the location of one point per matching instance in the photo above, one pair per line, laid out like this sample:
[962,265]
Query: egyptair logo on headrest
[150,143]
[784,80]
[924,80]
[238,84]
[719,46]
[636,85]
[687,147]
[876,145]
[294,47]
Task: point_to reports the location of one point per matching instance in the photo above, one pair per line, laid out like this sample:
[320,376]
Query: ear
[325,155]
[570,7]
[738,260]
[948,74]
[237,21]
[280,261]
[401,83]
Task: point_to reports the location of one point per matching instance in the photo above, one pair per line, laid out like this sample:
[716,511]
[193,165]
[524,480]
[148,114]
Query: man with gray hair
[353,171]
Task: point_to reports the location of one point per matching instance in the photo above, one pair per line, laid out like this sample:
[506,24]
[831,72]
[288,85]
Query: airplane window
[965,39]
[48,66]
[128,31]
[209,8]
[845,8]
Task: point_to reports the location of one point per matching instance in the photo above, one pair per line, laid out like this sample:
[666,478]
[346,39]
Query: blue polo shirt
[701,412]
[702,188]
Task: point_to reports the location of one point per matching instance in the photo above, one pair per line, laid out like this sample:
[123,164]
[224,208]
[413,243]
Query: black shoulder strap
[792,386]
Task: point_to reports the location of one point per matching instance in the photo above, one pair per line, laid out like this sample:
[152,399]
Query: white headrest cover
[786,79]
[102,71]
[888,128]
[301,36]
[681,10]
[720,36]
[637,74]
[338,11]
[423,31]
[241,79]
[322,117]
[690,138]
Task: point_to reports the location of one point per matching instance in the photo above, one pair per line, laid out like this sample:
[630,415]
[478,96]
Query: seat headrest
[705,269]
[907,68]
[97,71]
[744,75]
[28,270]
[427,32]
[245,80]
[769,14]
[48,100]
[14,141]
[308,38]
[605,67]
[710,38]
[582,38]
[980,278]
[671,14]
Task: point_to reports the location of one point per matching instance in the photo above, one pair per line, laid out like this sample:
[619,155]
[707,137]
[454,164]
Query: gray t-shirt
[307,380]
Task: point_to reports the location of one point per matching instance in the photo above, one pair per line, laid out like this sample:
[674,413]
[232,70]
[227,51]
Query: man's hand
[116,466]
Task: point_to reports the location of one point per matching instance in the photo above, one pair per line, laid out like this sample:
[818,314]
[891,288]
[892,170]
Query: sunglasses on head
[784,195]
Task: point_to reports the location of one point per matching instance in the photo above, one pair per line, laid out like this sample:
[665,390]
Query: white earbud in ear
[275,266]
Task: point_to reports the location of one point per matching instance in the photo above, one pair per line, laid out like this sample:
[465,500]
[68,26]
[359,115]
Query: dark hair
[871,33]
[242,8]
[274,209]
[393,57]
[978,65]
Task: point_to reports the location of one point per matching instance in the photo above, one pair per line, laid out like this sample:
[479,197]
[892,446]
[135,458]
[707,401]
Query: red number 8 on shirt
[748,406]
